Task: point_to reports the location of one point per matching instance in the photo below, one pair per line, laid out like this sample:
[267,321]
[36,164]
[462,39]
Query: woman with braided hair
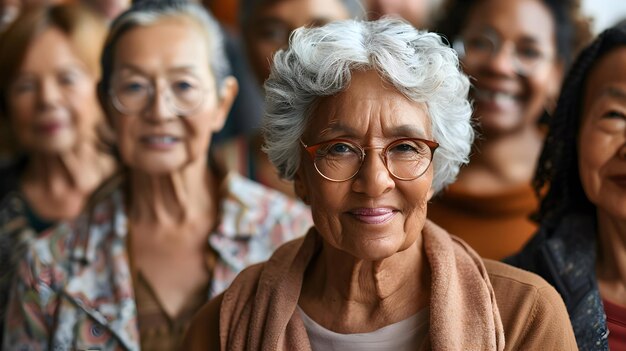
[581,243]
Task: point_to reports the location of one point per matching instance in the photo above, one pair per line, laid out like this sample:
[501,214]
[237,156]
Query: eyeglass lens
[133,94]
[477,48]
[405,159]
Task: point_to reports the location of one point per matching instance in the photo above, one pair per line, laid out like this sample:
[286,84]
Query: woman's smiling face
[167,58]
[602,137]
[372,215]
[507,98]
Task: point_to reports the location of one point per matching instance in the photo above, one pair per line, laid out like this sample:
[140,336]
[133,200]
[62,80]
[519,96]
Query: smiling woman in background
[48,73]
[171,231]
[370,119]
[581,245]
[515,51]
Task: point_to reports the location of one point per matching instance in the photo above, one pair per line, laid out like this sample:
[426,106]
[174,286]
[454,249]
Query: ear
[226,97]
[431,193]
[300,186]
[104,103]
[554,86]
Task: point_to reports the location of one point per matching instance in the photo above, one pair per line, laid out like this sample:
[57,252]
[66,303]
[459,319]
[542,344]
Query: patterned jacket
[566,259]
[74,288]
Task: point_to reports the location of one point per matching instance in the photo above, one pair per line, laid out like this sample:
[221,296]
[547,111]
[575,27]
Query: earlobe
[300,188]
[227,96]
[104,106]
[431,193]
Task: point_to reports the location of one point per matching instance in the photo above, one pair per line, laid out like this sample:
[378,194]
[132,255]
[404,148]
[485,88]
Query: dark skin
[508,104]
[602,164]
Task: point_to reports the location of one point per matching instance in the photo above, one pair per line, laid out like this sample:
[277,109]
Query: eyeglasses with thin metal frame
[478,48]
[183,96]
[339,160]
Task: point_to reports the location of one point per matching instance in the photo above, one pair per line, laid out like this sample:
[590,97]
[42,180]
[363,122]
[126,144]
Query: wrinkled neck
[366,295]
[172,198]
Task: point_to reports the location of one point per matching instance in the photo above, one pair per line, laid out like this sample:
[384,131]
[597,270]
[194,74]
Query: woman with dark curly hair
[516,52]
[580,246]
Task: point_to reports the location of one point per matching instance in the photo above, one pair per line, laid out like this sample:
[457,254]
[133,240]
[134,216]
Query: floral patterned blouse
[74,288]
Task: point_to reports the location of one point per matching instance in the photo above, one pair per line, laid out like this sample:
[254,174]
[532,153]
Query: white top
[407,335]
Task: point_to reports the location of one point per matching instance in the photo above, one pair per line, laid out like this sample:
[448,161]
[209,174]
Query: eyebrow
[614,92]
[138,69]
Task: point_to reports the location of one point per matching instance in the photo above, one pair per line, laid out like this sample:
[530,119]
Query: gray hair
[319,62]
[148,12]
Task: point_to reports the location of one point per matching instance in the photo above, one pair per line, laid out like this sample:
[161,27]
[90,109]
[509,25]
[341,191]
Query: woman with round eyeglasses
[171,230]
[370,119]
[515,52]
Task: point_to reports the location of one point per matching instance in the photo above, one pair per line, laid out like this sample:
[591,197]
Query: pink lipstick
[373,215]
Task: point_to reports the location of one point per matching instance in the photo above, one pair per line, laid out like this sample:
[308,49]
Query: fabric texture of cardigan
[74,290]
[566,258]
[473,306]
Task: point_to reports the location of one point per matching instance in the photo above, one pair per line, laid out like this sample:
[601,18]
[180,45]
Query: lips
[619,180]
[160,141]
[377,215]
[498,99]
[49,127]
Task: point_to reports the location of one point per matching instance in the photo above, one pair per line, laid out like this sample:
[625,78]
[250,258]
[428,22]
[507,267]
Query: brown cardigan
[473,306]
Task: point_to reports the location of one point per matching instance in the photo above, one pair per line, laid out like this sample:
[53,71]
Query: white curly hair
[319,62]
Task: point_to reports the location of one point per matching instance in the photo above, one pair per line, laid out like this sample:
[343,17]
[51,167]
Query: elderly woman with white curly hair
[370,119]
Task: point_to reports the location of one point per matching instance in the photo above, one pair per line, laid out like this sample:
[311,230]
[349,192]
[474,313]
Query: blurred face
[271,24]
[52,102]
[163,100]
[511,54]
[414,11]
[372,215]
[602,139]
[108,8]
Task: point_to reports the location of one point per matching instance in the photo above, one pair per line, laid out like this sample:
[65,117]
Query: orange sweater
[496,225]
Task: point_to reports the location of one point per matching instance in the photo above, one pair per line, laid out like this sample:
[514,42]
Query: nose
[49,94]
[503,60]
[158,110]
[373,178]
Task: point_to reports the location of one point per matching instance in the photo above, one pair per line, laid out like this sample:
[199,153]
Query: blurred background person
[581,243]
[109,9]
[171,231]
[48,74]
[265,27]
[420,13]
[515,52]
[371,119]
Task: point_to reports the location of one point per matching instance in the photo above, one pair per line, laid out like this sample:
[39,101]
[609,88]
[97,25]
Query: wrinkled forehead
[369,106]
[175,41]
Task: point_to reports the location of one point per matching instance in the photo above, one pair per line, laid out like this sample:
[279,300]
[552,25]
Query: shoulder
[250,207]
[532,311]
[251,193]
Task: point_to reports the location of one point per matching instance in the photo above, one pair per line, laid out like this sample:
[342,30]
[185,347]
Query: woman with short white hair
[370,119]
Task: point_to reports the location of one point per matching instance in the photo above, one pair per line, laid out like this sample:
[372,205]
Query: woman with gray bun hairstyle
[370,119]
[169,232]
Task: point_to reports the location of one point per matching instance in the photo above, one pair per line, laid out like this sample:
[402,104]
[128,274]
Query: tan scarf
[258,311]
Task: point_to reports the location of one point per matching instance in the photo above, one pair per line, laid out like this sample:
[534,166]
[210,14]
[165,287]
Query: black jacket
[566,257]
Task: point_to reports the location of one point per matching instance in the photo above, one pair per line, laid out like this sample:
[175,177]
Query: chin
[378,250]
[55,146]
[156,168]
